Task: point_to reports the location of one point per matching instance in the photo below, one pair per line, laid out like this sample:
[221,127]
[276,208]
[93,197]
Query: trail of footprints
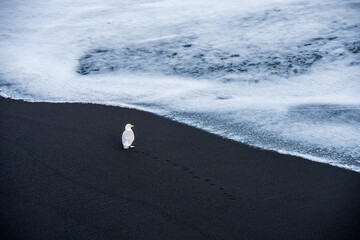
[190,172]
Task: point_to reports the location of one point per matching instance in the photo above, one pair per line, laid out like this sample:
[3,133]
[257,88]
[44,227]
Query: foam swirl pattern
[280,75]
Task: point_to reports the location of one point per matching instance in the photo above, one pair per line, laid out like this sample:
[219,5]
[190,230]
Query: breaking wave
[280,75]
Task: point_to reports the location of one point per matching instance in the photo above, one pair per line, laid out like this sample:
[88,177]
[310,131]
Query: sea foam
[280,75]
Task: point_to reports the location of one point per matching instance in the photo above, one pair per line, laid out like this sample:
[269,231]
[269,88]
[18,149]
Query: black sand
[64,175]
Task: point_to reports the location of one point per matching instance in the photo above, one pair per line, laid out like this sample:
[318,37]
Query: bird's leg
[132,146]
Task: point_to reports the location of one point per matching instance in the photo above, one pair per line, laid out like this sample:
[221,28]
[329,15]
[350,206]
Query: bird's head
[128,126]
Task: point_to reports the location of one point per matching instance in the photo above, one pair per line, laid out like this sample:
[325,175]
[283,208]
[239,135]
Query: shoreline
[308,157]
[65,175]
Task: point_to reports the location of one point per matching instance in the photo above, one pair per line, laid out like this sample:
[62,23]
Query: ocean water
[280,75]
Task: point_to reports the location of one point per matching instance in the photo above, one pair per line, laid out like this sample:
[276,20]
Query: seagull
[128,136]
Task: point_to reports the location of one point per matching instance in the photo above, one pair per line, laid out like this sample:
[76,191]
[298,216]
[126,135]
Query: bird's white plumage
[128,136]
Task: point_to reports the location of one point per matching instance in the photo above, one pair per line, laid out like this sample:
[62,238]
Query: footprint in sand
[185,169]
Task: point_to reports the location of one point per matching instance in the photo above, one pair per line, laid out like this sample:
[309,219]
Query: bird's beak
[132,125]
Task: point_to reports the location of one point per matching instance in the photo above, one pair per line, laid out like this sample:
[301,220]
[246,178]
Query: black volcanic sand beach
[64,175]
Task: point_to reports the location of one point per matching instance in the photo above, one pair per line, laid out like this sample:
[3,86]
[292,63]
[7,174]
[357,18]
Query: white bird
[128,136]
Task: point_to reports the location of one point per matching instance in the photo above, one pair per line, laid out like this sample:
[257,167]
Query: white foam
[313,113]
